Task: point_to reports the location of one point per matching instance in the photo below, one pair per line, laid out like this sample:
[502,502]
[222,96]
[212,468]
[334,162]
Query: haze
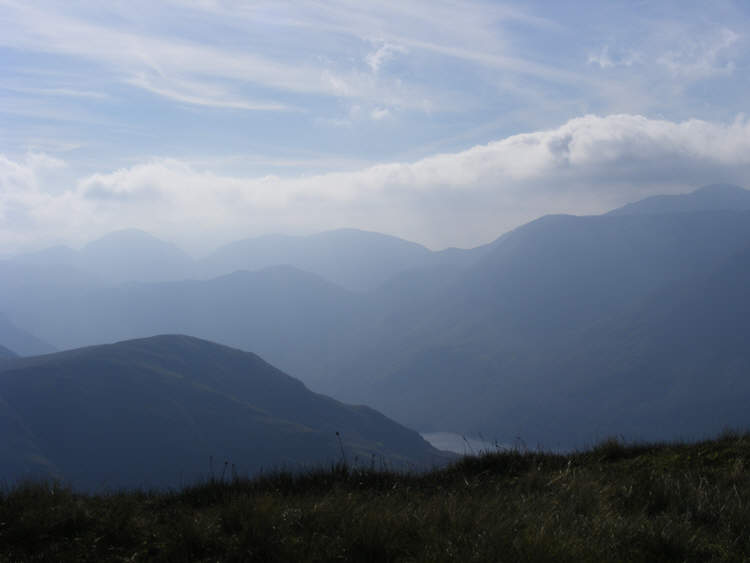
[443,123]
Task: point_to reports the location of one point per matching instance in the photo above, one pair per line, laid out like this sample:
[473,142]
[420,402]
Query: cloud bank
[587,165]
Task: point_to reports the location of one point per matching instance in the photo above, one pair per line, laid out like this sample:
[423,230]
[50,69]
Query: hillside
[716,197]
[19,341]
[492,343]
[354,259]
[296,320]
[154,412]
[614,502]
[509,339]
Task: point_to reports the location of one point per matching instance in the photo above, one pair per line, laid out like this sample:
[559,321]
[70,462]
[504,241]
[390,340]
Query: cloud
[587,165]
[196,70]
[380,113]
[382,54]
[606,59]
[200,94]
[702,57]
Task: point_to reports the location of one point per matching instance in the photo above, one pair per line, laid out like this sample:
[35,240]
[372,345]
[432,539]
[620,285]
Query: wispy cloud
[702,57]
[382,54]
[588,164]
[606,58]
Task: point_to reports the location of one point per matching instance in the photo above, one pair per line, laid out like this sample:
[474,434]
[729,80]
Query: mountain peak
[722,190]
[714,197]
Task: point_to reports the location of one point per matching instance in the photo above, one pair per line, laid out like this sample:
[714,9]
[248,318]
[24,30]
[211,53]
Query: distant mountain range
[169,410]
[562,331]
[716,197]
[354,259]
[20,341]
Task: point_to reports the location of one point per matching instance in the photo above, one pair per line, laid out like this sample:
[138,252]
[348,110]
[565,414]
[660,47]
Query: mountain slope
[296,320]
[357,260]
[133,255]
[20,341]
[480,355]
[716,197]
[676,364]
[155,411]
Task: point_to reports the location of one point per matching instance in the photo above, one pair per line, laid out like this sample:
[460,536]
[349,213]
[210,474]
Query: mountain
[119,257]
[133,255]
[356,260]
[716,197]
[675,364]
[485,352]
[297,320]
[20,341]
[509,339]
[156,411]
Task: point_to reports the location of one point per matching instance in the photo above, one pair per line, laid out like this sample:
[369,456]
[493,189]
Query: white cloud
[586,165]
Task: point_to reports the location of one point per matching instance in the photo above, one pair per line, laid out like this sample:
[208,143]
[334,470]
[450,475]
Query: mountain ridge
[147,411]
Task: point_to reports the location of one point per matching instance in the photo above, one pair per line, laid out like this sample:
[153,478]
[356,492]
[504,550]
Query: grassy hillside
[668,502]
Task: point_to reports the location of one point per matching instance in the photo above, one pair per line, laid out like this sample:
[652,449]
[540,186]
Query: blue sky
[443,122]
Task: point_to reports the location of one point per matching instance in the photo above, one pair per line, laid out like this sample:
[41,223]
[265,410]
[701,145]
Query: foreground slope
[648,502]
[156,411]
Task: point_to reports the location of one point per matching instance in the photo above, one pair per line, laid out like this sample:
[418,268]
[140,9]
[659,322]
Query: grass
[613,502]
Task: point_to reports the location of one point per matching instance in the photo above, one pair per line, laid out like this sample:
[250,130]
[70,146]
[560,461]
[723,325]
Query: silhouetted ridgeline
[168,410]
[562,331]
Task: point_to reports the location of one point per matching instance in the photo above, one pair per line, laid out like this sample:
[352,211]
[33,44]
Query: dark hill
[154,412]
[297,320]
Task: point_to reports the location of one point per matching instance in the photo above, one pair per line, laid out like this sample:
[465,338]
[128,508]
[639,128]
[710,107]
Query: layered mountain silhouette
[19,341]
[716,197]
[354,259]
[562,331]
[162,411]
[120,257]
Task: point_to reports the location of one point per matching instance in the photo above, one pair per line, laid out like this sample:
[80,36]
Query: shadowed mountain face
[507,341]
[546,333]
[154,412]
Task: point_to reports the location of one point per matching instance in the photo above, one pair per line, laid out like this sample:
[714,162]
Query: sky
[442,122]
